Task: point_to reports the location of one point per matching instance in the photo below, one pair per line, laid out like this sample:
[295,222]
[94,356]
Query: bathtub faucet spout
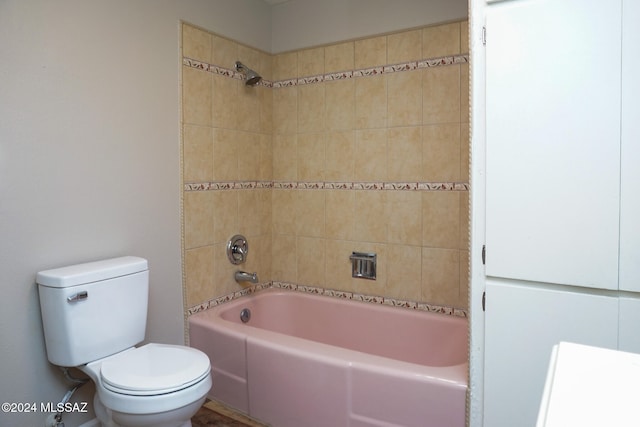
[243,276]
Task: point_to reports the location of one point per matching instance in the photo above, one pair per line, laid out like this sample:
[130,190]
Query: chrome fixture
[79,296]
[245,315]
[363,265]
[55,420]
[251,77]
[237,249]
[243,276]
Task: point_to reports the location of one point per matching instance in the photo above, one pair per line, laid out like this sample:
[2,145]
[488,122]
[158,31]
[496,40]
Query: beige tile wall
[405,126]
[227,137]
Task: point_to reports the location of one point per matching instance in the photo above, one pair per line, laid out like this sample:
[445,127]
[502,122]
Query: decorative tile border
[221,71]
[231,185]
[342,75]
[372,299]
[292,185]
[226,298]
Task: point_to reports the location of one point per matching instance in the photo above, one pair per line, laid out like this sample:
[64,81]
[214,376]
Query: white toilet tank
[93,310]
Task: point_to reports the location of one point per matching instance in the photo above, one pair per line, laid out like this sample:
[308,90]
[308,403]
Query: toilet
[94,315]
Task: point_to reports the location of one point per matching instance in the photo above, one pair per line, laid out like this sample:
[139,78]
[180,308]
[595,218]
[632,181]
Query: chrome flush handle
[80,296]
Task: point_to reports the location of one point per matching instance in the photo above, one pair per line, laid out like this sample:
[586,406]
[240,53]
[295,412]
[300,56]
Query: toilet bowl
[94,315]
[152,385]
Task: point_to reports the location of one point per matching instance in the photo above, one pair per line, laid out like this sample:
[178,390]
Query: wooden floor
[213,414]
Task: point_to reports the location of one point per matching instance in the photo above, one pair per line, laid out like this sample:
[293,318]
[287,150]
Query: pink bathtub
[305,360]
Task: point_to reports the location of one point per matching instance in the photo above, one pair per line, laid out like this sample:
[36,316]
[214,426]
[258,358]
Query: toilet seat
[154,369]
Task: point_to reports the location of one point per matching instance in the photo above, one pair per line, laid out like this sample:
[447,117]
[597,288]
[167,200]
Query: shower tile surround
[356,146]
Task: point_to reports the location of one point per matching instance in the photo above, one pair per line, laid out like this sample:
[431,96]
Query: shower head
[251,77]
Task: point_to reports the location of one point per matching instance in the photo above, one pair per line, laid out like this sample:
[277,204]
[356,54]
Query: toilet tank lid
[89,272]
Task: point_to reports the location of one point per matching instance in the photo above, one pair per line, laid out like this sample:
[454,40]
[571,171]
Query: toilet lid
[154,369]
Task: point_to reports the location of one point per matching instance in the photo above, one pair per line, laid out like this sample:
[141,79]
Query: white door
[630,156]
[553,141]
[629,319]
[522,324]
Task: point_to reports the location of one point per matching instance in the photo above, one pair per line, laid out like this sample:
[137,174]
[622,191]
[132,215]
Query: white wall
[89,159]
[304,23]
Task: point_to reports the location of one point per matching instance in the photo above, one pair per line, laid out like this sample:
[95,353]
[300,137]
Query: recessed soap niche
[363,265]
